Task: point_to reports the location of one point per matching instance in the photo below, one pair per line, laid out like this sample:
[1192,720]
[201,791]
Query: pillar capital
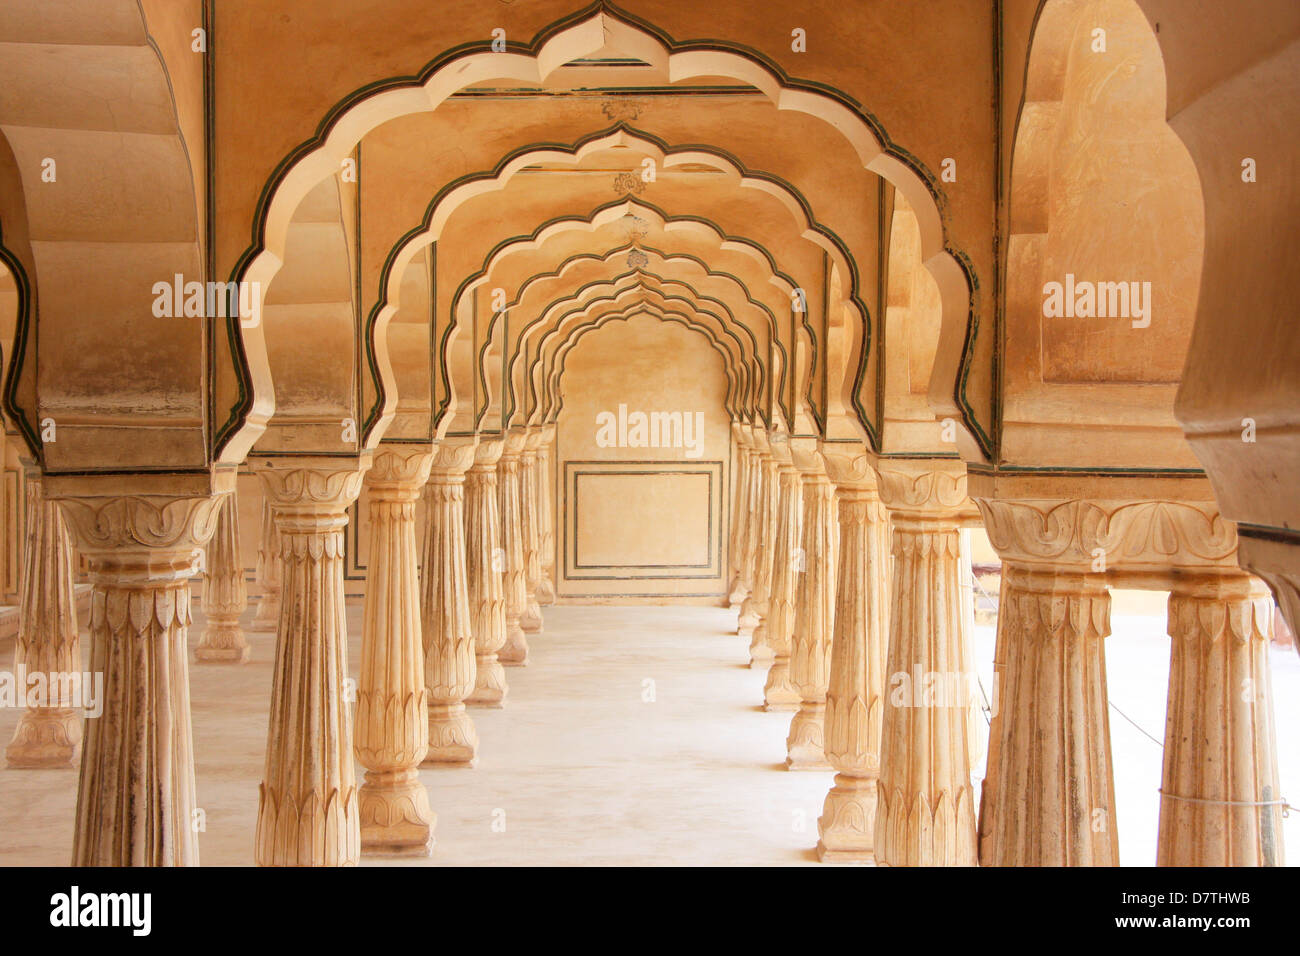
[488,452]
[152,535]
[924,488]
[452,458]
[301,490]
[849,466]
[398,473]
[515,440]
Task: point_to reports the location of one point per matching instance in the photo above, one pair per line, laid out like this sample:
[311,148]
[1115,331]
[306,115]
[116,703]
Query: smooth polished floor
[634,736]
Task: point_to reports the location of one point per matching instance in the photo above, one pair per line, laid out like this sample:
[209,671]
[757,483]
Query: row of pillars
[849,582]
[440,623]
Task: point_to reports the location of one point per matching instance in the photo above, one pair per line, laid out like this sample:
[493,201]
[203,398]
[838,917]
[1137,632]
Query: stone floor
[585,770]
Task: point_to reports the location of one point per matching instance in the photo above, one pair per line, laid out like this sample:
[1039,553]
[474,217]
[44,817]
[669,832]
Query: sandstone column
[780,693]
[926,814]
[530,531]
[515,584]
[756,607]
[224,594]
[392,733]
[449,663]
[814,614]
[747,618]
[484,569]
[1052,798]
[267,616]
[740,519]
[47,643]
[545,520]
[135,804]
[856,683]
[308,810]
[1220,804]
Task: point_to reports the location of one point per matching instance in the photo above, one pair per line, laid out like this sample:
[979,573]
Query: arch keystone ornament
[136,800]
[307,812]
[392,733]
[450,665]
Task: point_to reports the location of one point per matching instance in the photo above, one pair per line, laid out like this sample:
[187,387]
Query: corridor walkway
[633,737]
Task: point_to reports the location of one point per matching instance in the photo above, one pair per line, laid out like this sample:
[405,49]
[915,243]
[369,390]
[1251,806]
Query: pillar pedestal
[47,735]
[450,667]
[224,594]
[135,803]
[926,815]
[855,684]
[1220,804]
[484,570]
[814,612]
[308,812]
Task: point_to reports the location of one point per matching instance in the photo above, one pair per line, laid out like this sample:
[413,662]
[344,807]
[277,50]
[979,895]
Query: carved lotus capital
[398,472]
[311,486]
[849,466]
[515,440]
[806,456]
[925,487]
[1141,536]
[141,523]
[452,457]
[488,452]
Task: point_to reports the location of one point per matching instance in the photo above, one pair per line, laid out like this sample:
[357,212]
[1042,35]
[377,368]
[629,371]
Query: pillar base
[545,592]
[396,819]
[222,645]
[490,689]
[847,823]
[453,741]
[267,617]
[46,738]
[806,744]
[531,620]
[515,651]
[780,694]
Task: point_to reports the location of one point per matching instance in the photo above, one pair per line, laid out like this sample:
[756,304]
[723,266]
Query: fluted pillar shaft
[392,733]
[530,532]
[1220,804]
[308,808]
[224,594]
[135,802]
[1053,796]
[926,815]
[485,570]
[814,615]
[267,616]
[756,608]
[855,702]
[49,733]
[747,618]
[545,519]
[740,520]
[780,693]
[515,581]
[449,663]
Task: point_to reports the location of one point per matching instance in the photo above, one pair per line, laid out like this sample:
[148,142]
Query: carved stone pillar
[267,616]
[814,612]
[1220,804]
[780,693]
[307,813]
[755,522]
[224,594]
[47,735]
[1052,797]
[545,519]
[135,804]
[485,566]
[756,607]
[530,532]
[856,683]
[926,814]
[392,733]
[515,583]
[740,518]
[449,663]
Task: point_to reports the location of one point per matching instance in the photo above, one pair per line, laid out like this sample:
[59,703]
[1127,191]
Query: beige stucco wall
[642,521]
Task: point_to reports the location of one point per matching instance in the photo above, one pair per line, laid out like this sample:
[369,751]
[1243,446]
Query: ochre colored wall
[641,522]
